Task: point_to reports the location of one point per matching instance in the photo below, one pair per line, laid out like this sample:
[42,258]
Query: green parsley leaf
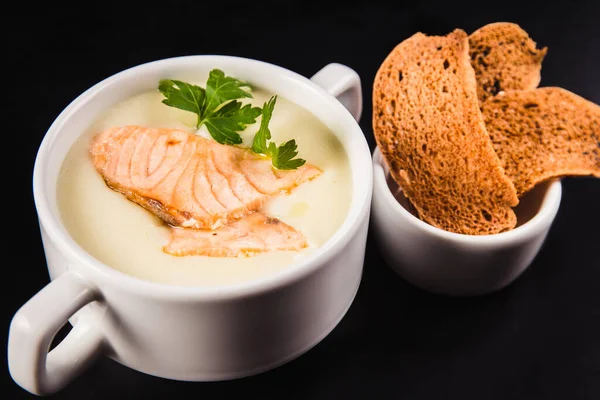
[283,156]
[221,88]
[224,123]
[259,144]
[215,106]
[183,96]
[218,108]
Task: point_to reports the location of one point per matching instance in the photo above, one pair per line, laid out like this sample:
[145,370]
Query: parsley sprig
[282,156]
[217,107]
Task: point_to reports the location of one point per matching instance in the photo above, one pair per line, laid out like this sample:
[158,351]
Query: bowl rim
[537,225]
[55,229]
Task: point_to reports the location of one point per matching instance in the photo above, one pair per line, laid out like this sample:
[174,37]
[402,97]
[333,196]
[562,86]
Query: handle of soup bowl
[343,83]
[33,327]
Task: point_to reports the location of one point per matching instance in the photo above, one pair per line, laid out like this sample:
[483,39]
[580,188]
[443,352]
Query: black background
[537,339]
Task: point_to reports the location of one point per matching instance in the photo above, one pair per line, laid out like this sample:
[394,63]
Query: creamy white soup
[130,239]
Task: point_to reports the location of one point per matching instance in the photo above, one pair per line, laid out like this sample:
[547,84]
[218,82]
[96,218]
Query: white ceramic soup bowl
[189,333]
[456,264]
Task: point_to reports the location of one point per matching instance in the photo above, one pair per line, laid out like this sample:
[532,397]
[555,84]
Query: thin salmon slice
[187,180]
[248,236]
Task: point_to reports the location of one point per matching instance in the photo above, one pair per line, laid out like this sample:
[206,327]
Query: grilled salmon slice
[187,180]
[248,236]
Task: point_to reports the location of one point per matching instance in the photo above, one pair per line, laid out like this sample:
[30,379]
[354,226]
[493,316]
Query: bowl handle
[343,83]
[34,326]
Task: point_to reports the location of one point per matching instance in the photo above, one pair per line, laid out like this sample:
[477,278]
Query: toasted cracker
[544,133]
[429,128]
[504,57]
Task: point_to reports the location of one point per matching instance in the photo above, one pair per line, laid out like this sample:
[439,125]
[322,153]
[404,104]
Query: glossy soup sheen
[128,238]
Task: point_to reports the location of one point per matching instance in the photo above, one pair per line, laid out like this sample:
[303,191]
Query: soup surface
[128,238]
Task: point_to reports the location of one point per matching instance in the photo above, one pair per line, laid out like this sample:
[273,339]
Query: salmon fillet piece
[187,180]
[256,233]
